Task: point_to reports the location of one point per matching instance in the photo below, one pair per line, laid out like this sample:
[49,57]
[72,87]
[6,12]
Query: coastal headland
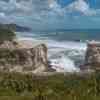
[31,56]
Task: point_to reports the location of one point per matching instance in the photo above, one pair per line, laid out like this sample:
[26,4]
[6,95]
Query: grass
[16,98]
[16,86]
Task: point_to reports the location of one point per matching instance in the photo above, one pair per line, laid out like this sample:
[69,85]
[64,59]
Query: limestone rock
[19,59]
[92,59]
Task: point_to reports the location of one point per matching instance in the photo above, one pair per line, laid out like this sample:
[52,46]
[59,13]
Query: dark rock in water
[19,59]
[92,59]
[78,40]
[50,69]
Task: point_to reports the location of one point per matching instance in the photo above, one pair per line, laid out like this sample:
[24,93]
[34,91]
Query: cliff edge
[23,56]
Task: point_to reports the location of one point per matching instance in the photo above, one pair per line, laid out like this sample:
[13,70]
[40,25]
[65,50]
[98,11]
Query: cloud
[15,6]
[2,15]
[56,8]
[43,7]
[28,7]
[80,6]
[43,13]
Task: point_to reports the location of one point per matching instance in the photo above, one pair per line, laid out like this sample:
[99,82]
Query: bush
[6,34]
[57,87]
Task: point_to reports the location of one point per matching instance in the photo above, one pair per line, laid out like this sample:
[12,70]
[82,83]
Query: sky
[51,14]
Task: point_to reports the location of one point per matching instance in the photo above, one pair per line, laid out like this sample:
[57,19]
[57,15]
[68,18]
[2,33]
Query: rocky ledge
[23,56]
[92,59]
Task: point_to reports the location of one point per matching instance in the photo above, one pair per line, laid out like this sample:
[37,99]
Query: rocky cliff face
[92,59]
[14,57]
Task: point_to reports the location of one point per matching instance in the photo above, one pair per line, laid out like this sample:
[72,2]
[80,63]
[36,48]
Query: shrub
[6,34]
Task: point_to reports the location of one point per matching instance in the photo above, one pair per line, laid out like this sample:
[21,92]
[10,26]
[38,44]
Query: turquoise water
[64,35]
[68,47]
[74,35]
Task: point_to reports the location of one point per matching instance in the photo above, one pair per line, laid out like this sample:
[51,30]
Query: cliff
[21,57]
[92,59]
[15,27]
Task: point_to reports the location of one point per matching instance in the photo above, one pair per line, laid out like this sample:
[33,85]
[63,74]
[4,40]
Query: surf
[64,56]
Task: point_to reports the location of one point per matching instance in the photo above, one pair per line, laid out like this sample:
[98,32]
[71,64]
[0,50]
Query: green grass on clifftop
[6,34]
[58,87]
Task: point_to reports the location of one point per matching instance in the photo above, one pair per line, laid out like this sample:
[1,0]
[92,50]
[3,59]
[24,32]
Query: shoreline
[46,74]
[41,51]
[29,42]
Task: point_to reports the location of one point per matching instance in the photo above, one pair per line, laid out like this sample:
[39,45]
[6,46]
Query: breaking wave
[65,56]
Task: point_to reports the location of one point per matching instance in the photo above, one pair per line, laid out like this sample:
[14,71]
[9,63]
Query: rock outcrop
[15,57]
[92,59]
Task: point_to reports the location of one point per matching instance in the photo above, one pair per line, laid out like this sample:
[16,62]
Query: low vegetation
[58,87]
[6,34]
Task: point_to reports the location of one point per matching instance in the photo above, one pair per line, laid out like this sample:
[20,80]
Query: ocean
[67,48]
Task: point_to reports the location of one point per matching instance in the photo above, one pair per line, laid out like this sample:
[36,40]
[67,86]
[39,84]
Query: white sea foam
[64,64]
[62,54]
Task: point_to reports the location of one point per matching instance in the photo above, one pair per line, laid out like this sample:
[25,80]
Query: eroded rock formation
[92,59]
[14,57]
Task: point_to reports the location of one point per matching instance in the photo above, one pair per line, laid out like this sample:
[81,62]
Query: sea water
[66,50]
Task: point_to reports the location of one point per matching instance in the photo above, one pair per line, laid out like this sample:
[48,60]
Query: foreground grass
[58,87]
[16,98]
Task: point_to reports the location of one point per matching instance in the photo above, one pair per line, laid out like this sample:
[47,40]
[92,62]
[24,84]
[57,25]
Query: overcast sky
[51,14]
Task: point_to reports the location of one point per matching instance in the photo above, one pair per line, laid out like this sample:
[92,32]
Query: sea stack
[92,58]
